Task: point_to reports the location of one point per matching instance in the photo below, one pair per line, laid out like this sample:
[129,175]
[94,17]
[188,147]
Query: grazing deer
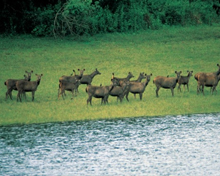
[11,84]
[166,82]
[139,87]
[27,86]
[184,80]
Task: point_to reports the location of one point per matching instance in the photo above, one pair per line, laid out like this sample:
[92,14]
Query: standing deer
[11,84]
[139,87]
[119,91]
[202,77]
[122,80]
[185,80]
[140,77]
[100,92]
[166,82]
[27,86]
[87,79]
[64,85]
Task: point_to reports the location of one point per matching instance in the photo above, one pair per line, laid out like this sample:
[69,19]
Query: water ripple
[171,145]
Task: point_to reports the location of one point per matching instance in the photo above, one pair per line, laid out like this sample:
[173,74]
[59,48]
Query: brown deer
[64,85]
[208,80]
[138,87]
[140,77]
[100,92]
[87,79]
[27,86]
[202,76]
[184,80]
[119,91]
[11,84]
[73,78]
[166,82]
[122,80]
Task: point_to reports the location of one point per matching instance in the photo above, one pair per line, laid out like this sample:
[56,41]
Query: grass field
[159,52]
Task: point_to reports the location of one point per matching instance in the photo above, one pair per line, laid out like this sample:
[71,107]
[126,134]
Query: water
[180,145]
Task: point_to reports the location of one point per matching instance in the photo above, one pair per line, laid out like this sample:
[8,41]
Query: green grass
[159,52]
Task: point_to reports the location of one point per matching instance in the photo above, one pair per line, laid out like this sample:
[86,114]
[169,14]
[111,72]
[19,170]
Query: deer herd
[119,87]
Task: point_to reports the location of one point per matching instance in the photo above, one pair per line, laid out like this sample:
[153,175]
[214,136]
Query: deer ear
[151,74]
[36,74]
[218,65]
[175,71]
[180,71]
[74,71]
[41,74]
[32,71]
[78,69]
[187,71]
[84,69]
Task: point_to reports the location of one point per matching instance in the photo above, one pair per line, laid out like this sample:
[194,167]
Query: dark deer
[184,80]
[122,80]
[100,92]
[87,79]
[11,84]
[27,86]
[64,85]
[73,78]
[166,82]
[119,91]
[138,87]
[202,76]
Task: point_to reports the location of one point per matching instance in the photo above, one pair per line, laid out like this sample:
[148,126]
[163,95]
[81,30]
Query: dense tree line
[89,17]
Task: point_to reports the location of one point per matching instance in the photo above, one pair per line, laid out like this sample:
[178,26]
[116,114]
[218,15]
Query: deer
[184,80]
[139,87]
[28,86]
[122,80]
[100,92]
[64,85]
[208,80]
[140,77]
[87,79]
[11,84]
[119,91]
[166,82]
[202,76]
[72,78]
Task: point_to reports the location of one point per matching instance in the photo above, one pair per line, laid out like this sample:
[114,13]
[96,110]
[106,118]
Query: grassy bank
[157,52]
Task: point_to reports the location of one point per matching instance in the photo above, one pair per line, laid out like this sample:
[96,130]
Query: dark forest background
[90,17]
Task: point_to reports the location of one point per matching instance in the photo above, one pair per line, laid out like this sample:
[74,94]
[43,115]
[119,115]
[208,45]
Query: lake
[171,145]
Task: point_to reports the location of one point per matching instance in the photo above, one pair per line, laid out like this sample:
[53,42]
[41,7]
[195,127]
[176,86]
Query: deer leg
[127,96]
[187,87]
[33,95]
[89,100]
[157,90]
[203,89]
[140,96]
[179,88]
[172,91]
[134,95]
[19,96]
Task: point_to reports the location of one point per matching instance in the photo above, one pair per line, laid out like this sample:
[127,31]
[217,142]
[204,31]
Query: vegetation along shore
[159,52]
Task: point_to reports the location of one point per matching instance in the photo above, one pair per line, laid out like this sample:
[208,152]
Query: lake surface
[171,145]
